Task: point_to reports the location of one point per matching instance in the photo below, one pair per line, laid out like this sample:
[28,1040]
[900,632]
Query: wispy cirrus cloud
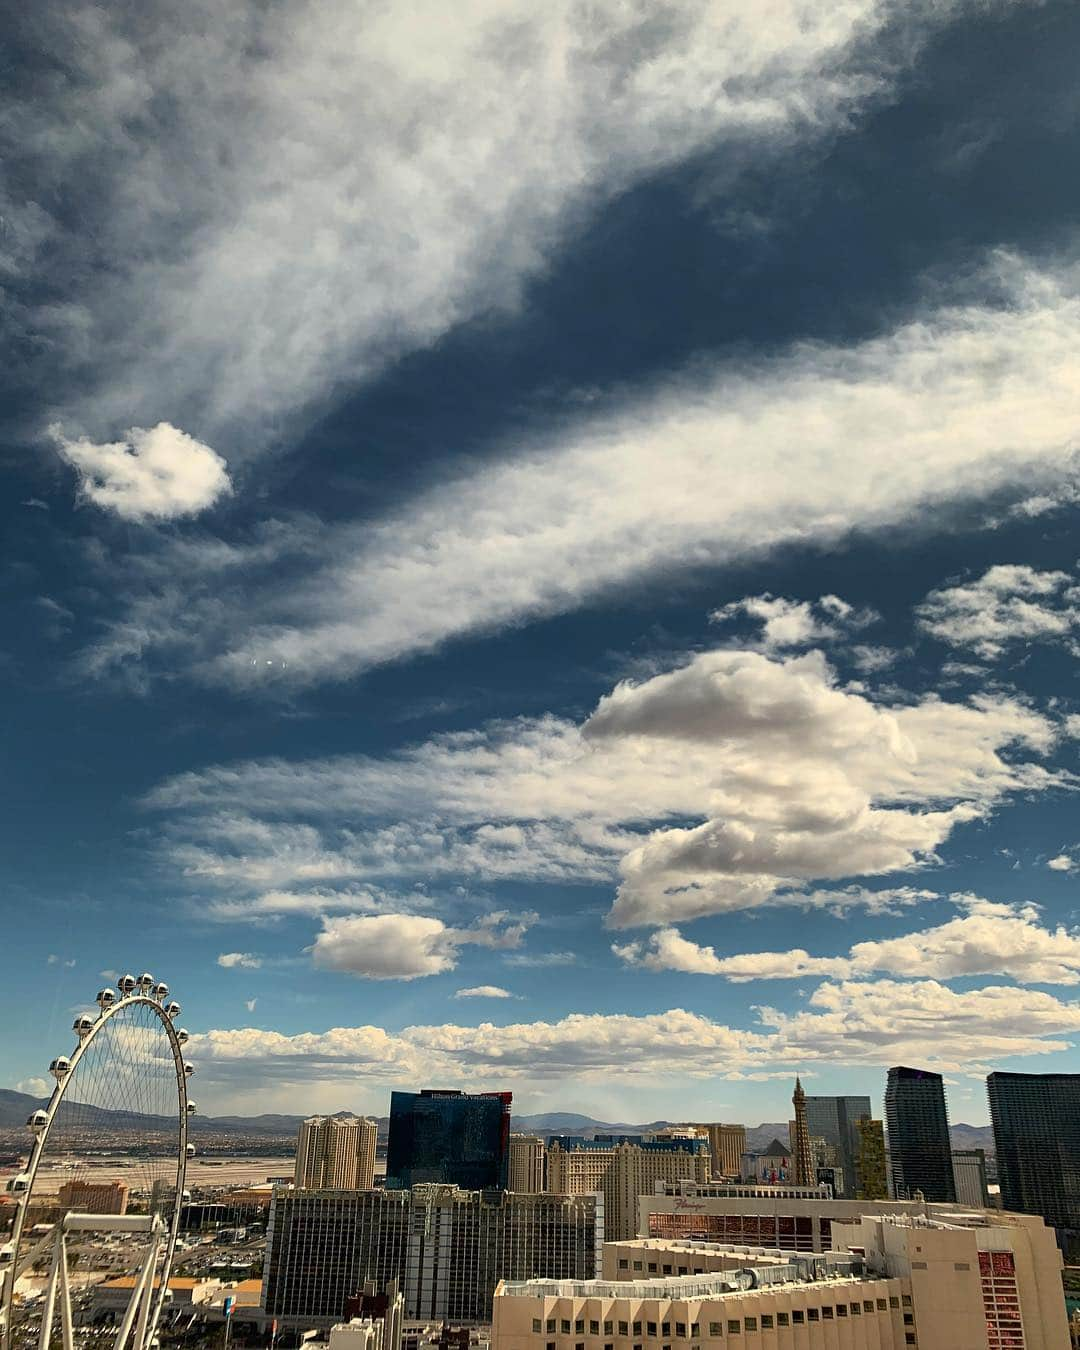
[239,168]
[720,464]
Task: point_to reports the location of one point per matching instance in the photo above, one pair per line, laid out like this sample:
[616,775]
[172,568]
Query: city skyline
[540,551]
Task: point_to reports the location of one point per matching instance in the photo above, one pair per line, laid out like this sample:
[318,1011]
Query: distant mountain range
[16,1106]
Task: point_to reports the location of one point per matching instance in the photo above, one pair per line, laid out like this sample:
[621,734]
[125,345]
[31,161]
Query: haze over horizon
[540,549]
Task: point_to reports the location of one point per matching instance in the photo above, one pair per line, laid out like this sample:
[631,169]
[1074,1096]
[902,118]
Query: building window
[905,1299]
[637,1265]
[715,1329]
[680,1329]
[798,1317]
[564,1327]
[733,1327]
[918,1265]
[909,1321]
[624,1328]
[882,1305]
[609,1328]
[579,1326]
[624,1263]
[812,1314]
[537,1327]
[551,1345]
[666,1328]
[594,1328]
[551,1325]
[751,1324]
[652,1267]
[961,1265]
[766,1321]
[827,1314]
[841,1309]
[667,1270]
[650,1328]
[781,1319]
[868,1305]
[637,1328]
[894,1302]
[909,1338]
[609,1346]
[695,1330]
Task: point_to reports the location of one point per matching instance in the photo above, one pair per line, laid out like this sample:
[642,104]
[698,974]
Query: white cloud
[250,1003]
[407,946]
[797,623]
[36,1087]
[485,991]
[890,1022]
[708,469]
[154,474]
[337,184]
[54,960]
[1064,862]
[239,960]
[792,778]
[988,939]
[865,1022]
[1009,603]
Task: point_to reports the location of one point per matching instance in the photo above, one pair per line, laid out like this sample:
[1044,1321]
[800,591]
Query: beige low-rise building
[793,1218]
[992,1283]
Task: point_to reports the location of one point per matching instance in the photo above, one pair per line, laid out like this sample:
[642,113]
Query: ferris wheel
[104,1183]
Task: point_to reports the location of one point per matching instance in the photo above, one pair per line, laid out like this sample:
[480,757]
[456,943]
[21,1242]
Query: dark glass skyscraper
[451,1137]
[920,1151]
[1036,1120]
[834,1119]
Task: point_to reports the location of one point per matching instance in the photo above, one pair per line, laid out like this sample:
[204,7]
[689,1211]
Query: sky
[539,548]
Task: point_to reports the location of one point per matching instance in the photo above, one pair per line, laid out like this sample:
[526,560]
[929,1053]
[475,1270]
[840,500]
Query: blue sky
[540,545]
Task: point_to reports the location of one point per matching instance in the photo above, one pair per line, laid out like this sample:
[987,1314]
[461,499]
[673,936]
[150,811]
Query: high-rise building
[920,1151]
[885,1285]
[446,1248]
[727,1144]
[969,1174]
[526,1166]
[871,1166]
[95,1197]
[805,1173]
[833,1119]
[1036,1120]
[337,1152]
[449,1138]
[622,1168]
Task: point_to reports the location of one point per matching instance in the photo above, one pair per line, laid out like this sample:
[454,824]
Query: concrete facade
[337,1152]
[527,1166]
[623,1169]
[890,1283]
[793,1218]
[445,1248]
[94,1197]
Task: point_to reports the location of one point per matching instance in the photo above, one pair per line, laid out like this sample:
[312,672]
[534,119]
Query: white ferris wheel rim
[39,1147]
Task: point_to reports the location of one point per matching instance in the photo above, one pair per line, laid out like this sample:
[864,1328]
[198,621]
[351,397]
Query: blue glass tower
[450,1137]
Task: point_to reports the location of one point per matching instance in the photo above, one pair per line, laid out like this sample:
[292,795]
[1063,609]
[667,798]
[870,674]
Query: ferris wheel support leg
[49,1310]
[140,1292]
[66,1324]
[148,1297]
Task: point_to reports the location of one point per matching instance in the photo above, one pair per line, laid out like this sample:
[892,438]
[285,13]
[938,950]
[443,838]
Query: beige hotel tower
[336,1153]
